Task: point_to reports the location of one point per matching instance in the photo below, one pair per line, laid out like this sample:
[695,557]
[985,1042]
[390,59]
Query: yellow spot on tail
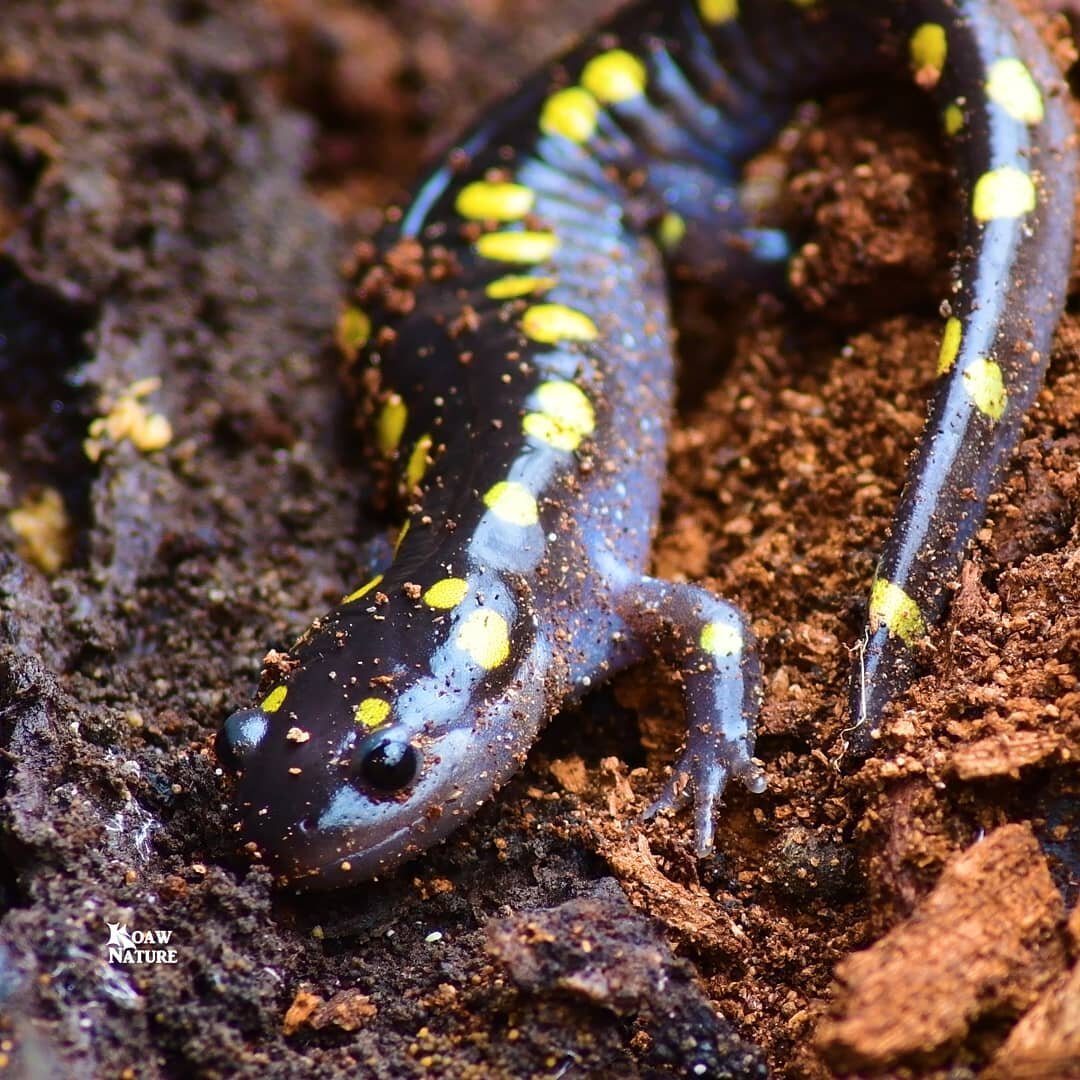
[564,415]
[952,118]
[519,247]
[401,536]
[715,12]
[485,636]
[447,593]
[514,285]
[928,50]
[570,113]
[353,332]
[985,385]
[950,345]
[552,323]
[485,200]
[672,230]
[889,604]
[418,461]
[275,699]
[513,503]
[1011,86]
[1007,192]
[371,712]
[614,76]
[363,590]
[721,639]
[390,425]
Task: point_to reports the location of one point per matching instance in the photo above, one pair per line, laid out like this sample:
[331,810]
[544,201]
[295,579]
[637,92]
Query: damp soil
[179,185]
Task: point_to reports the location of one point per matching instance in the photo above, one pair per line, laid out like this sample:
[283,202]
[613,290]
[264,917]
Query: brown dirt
[166,211]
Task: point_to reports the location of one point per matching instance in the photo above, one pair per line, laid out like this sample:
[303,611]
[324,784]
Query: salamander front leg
[710,643]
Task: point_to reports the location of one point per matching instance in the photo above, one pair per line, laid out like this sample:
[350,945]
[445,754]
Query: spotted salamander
[517,317]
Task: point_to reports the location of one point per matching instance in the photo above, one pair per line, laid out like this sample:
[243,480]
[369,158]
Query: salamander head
[402,717]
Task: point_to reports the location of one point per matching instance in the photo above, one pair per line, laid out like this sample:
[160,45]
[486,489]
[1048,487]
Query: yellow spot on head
[418,462]
[485,636]
[447,593]
[46,536]
[353,332]
[564,417]
[715,12]
[517,247]
[513,503]
[485,200]
[275,699]
[614,76]
[1007,192]
[985,386]
[950,345]
[1011,86]
[891,606]
[721,639]
[514,285]
[363,590]
[390,425]
[952,118]
[672,230]
[928,50]
[371,712]
[552,323]
[570,113]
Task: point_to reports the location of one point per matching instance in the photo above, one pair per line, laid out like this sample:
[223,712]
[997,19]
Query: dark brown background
[178,185]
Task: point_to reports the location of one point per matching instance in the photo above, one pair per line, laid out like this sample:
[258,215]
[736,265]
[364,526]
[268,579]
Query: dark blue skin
[540,416]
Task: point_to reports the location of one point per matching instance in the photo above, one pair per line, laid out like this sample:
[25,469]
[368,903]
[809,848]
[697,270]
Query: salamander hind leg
[709,642]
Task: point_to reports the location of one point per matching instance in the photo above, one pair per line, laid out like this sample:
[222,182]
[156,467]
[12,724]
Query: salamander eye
[387,764]
[239,736]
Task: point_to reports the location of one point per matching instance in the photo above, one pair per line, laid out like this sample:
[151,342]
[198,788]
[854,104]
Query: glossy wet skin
[526,389]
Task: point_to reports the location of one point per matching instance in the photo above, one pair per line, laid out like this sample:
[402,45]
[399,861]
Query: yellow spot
[418,462]
[513,503]
[371,712]
[130,419]
[1007,192]
[275,699]
[950,345]
[571,113]
[952,118]
[928,49]
[985,386]
[614,76]
[353,332]
[889,604]
[715,12]
[552,323]
[401,537]
[363,590]
[1011,86]
[485,636]
[485,200]
[390,425]
[515,285]
[804,3]
[447,593]
[672,230]
[46,536]
[721,639]
[564,418]
[519,247]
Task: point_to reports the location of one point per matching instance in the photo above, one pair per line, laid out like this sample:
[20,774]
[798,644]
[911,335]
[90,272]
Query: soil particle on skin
[179,183]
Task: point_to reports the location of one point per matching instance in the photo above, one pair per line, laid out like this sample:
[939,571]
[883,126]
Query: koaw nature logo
[149,946]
